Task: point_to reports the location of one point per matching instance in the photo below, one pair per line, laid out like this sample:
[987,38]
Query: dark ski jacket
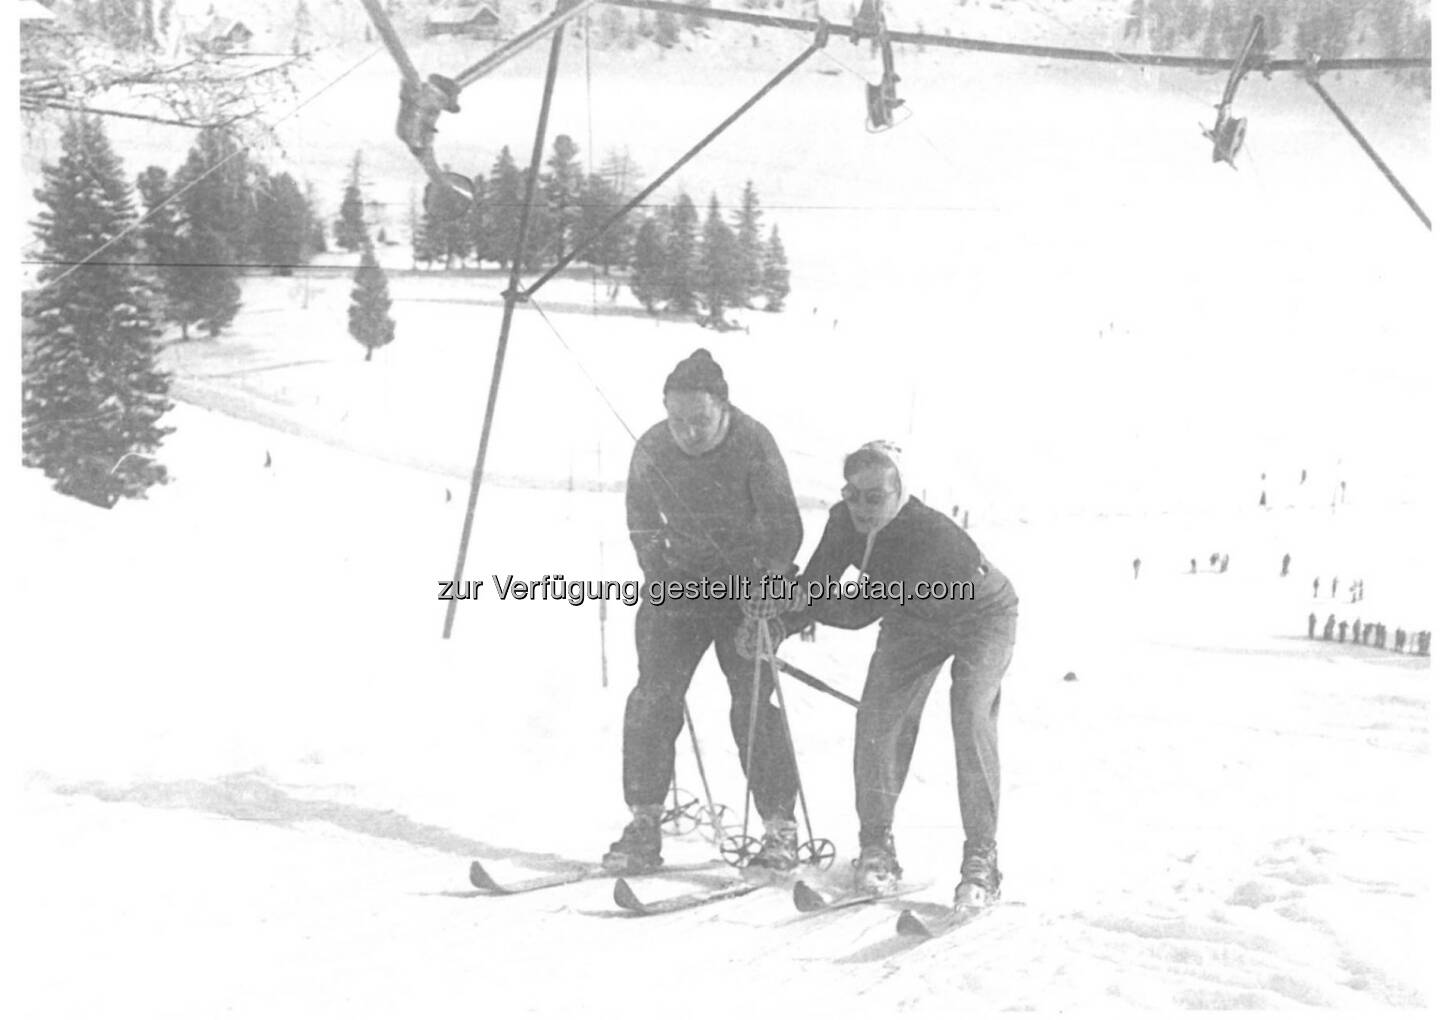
[713,515]
[919,545]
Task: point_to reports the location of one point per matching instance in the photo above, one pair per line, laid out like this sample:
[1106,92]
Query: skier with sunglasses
[939,600]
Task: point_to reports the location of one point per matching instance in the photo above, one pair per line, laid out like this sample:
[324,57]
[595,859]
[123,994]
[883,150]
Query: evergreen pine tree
[303,29]
[213,201]
[680,257]
[540,236]
[449,237]
[507,195]
[720,277]
[620,170]
[775,274]
[422,250]
[209,293]
[250,240]
[91,394]
[599,202]
[694,21]
[667,29]
[160,240]
[284,225]
[750,251]
[218,190]
[612,27]
[480,220]
[317,245]
[1219,29]
[350,231]
[560,187]
[370,321]
[647,275]
[1164,25]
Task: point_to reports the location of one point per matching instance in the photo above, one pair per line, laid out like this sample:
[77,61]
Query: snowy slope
[249,775]
[257,775]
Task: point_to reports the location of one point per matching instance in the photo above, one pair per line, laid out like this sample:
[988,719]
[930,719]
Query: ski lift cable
[91,257]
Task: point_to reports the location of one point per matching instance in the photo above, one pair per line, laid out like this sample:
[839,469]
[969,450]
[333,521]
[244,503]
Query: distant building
[478,19]
[222,35]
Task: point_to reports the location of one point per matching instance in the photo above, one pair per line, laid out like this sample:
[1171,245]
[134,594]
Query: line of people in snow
[709,496]
[1375,635]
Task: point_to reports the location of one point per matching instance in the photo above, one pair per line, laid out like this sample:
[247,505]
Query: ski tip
[807,899]
[625,897]
[908,924]
[480,878]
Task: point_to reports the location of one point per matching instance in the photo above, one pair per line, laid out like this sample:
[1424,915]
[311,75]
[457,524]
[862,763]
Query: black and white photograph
[724,508]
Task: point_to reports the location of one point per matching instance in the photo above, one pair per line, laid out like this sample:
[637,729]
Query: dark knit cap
[698,374]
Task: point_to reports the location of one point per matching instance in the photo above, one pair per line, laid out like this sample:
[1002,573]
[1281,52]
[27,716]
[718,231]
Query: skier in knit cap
[937,599]
[708,497]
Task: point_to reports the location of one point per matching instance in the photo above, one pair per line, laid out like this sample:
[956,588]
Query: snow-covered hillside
[248,775]
[254,776]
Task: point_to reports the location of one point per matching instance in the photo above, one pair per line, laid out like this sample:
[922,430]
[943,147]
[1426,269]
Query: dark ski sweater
[921,546]
[715,514]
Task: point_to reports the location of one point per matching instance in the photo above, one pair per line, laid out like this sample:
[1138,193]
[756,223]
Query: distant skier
[1315,588]
[1224,563]
[1343,625]
[1135,564]
[1312,625]
[896,540]
[1329,632]
[1399,639]
[1285,565]
[1360,589]
[1193,565]
[708,496]
[1381,632]
[1355,631]
[1365,636]
[1334,586]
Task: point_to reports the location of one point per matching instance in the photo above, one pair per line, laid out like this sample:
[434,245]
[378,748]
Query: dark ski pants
[670,643]
[906,662]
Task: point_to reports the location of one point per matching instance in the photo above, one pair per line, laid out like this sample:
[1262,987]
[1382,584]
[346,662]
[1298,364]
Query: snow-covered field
[252,775]
[255,774]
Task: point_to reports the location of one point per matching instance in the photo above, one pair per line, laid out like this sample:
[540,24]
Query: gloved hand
[777,596]
[747,635]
